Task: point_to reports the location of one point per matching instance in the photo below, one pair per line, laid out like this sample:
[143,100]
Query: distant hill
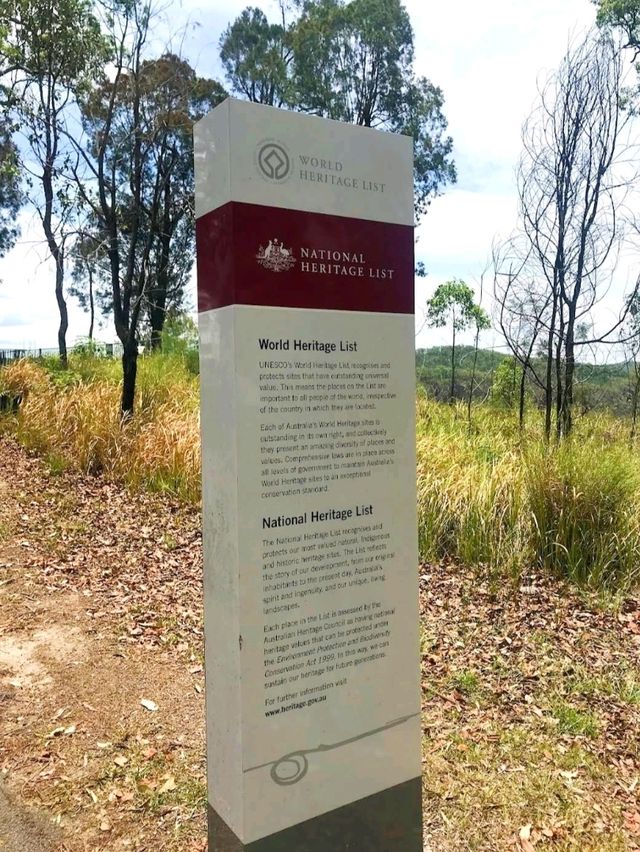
[598,385]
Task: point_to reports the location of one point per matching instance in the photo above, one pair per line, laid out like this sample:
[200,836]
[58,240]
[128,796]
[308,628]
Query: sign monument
[305,296]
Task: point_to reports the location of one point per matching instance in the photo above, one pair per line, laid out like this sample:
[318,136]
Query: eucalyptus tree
[174,97]
[135,174]
[351,62]
[167,96]
[54,48]
[256,56]
[453,303]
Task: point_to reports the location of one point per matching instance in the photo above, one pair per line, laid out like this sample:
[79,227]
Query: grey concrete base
[390,821]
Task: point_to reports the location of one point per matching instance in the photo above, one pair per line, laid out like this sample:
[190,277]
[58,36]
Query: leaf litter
[531,692]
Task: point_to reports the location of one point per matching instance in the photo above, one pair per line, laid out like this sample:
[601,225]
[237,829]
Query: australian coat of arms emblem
[275,256]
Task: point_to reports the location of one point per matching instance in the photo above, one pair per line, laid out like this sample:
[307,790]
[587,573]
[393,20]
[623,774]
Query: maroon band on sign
[249,254]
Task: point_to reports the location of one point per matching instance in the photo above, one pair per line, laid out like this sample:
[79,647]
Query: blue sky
[487,57]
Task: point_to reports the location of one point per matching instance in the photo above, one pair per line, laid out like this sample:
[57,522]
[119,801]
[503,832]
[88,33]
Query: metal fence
[102,350]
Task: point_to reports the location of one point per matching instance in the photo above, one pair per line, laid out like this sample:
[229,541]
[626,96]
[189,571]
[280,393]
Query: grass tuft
[494,497]
[71,418]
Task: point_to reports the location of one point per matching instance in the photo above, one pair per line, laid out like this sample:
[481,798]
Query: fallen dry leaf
[169,785]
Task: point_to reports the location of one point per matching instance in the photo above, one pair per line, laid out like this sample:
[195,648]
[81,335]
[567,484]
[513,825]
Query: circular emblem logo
[273,160]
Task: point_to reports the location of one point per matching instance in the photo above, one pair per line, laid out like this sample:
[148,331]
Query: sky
[487,58]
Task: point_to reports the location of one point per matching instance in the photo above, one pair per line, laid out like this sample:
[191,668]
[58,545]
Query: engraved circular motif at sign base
[290,769]
[274,161]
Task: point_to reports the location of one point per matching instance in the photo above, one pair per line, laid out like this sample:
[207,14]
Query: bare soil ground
[531,692]
[99,611]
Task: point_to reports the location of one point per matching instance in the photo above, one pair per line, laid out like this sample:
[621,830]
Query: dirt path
[94,620]
[22,829]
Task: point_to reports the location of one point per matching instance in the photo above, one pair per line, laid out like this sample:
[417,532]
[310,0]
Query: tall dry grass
[494,497]
[488,496]
[72,419]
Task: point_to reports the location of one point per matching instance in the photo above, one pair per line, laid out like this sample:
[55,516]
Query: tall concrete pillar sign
[305,288]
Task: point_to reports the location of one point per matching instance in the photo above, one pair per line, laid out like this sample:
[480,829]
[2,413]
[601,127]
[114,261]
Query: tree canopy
[256,58]
[351,62]
[623,14]
[53,49]
[158,102]
[10,189]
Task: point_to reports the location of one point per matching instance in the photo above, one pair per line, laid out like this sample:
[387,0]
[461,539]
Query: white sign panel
[305,279]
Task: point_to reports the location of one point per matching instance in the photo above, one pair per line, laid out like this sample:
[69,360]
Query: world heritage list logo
[273,161]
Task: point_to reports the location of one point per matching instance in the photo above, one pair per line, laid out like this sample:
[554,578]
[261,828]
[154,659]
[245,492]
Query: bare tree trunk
[473,376]
[559,382]
[158,293]
[548,391]
[57,254]
[156,319]
[157,296]
[569,374]
[523,387]
[453,364]
[129,373]
[92,304]
[64,315]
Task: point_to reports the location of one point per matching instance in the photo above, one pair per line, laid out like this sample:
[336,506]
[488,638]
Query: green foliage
[623,14]
[466,682]
[453,302]
[575,723]
[180,339]
[349,61]
[10,188]
[256,58]
[179,333]
[584,499]
[89,348]
[504,387]
[353,60]
[599,387]
[55,42]
[157,107]
[87,364]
